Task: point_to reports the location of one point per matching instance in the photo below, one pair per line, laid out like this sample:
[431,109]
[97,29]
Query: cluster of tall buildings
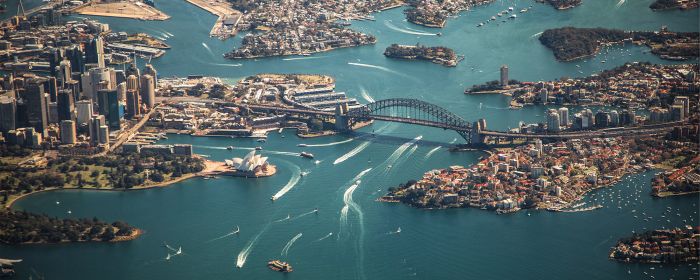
[559,119]
[678,110]
[79,95]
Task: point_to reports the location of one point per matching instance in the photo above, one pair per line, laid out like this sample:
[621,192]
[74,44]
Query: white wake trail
[401,149]
[620,3]
[292,182]
[366,95]
[170,34]
[327,235]
[208,49]
[305,214]
[285,250]
[347,197]
[243,255]
[302,58]
[382,68]
[431,152]
[453,141]
[331,144]
[536,34]
[402,30]
[227,64]
[352,153]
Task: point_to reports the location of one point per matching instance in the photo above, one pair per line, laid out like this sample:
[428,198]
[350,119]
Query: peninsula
[678,245]
[662,5]
[571,43]
[27,228]
[123,9]
[439,55]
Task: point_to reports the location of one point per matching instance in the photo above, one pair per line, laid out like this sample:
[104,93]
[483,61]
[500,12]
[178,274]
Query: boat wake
[323,238]
[382,68]
[283,219]
[282,153]
[305,214]
[347,197]
[366,95]
[331,144]
[397,231]
[352,153]
[208,49]
[285,250]
[160,38]
[169,247]
[402,30]
[536,34]
[431,152]
[400,150]
[620,3]
[292,182]
[227,64]
[453,141]
[169,34]
[226,235]
[302,58]
[243,255]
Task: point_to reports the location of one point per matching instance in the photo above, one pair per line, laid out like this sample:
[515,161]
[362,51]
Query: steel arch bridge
[412,111]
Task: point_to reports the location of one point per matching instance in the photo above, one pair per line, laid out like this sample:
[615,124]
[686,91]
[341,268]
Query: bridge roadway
[646,130]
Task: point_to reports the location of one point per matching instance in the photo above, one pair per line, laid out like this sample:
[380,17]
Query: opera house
[251,165]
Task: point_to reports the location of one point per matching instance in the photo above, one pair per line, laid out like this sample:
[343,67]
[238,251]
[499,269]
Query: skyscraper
[83,111]
[68,134]
[8,113]
[148,91]
[132,83]
[37,109]
[149,70]
[133,104]
[95,52]
[553,122]
[564,116]
[504,75]
[51,88]
[66,73]
[115,111]
[96,122]
[66,105]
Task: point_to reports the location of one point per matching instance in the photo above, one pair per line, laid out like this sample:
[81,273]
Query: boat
[229,148]
[261,140]
[510,8]
[493,18]
[258,148]
[280,266]
[513,16]
[480,24]
[306,155]
[304,173]
[523,10]
[438,34]
[302,145]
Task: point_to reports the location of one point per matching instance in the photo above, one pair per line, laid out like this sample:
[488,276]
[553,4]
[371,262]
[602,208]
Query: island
[19,227]
[551,176]
[678,245]
[439,55]
[571,43]
[662,5]
[562,4]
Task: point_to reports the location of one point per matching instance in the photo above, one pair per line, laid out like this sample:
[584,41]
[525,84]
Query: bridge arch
[413,111]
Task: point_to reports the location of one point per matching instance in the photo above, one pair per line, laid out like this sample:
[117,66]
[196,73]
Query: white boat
[513,16]
[480,24]
[302,145]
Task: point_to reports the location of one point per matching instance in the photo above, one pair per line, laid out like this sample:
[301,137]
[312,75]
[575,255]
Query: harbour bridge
[417,112]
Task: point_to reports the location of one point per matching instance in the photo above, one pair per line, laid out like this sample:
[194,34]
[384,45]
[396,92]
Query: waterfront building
[65,105]
[553,122]
[157,149]
[68,132]
[148,91]
[564,116]
[614,118]
[602,119]
[8,113]
[183,150]
[36,106]
[251,163]
[504,75]
[83,111]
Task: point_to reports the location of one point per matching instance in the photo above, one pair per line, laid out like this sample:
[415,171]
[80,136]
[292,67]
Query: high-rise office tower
[83,111]
[68,133]
[132,83]
[149,70]
[133,104]
[148,91]
[95,123]
[8,113]
[614,118]
[504,75]
[66,105]
[75,55]
[121,91]
[115,113]
[602,119]
[66,73]
[51,88]
[95,52]
[37,108]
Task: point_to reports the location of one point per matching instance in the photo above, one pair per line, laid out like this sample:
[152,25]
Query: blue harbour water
[433,244]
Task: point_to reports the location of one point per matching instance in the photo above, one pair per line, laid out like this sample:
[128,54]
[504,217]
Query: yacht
[306,155]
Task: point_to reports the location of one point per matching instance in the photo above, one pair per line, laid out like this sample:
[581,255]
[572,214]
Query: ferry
[306,155]
[229,148]
[280,266]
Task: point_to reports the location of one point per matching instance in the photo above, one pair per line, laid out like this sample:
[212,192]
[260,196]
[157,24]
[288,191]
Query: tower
[148,91]
[66,105]
[37,108]
[504,75]
[68,132]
